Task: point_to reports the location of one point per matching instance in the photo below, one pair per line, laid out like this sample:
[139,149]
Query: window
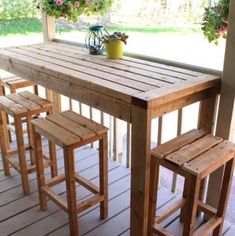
[168,29]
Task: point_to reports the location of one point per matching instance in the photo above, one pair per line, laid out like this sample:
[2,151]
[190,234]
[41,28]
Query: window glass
[168,29]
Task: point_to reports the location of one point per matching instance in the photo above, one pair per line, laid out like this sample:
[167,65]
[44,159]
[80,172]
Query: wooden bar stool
[194,155]
[21,106]
[70,131]
[13,82]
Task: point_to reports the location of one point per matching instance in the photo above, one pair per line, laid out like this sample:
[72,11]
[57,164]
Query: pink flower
[222,31]
[77,4]
[87,2]
[59,2]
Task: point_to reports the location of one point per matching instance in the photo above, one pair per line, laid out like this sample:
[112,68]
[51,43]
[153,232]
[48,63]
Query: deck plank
[56,218]
[118,221]
[230,231]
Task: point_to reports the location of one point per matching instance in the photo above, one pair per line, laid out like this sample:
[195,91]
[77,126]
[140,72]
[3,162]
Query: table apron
[160,110]
[108,104]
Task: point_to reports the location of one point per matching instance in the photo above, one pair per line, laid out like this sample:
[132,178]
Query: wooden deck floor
[20,215]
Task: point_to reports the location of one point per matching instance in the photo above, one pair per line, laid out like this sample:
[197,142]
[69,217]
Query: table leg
[56,102]
[140,170]
[206,122]
[1,89]
[206,114]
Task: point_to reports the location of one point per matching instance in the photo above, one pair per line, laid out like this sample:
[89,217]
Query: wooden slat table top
[129,80]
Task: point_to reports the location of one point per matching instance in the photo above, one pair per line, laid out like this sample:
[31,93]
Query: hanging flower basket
[71,9]
[215,21]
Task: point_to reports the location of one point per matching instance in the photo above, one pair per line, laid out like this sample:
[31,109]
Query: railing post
[179,131]
[48,26]
[226,115]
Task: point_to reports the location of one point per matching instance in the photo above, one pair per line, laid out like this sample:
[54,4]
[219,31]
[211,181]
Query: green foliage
[17,9]
[215,21]
[20,26]
[114,37]
[155,30]
[71,9]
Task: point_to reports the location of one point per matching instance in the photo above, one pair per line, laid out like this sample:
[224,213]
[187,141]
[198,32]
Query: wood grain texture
[177,143]
[193,150]
[141,128]
[211,160]
[147,82]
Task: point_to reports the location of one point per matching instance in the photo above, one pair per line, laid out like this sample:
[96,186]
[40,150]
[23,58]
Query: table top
[130,80]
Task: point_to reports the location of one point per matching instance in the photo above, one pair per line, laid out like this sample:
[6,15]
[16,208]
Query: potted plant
[114,44]
[71,9]
[215,21]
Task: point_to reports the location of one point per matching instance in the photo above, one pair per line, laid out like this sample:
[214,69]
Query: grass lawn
[28,26]
[20,26]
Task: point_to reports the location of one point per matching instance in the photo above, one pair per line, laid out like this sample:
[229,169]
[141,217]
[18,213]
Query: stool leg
[71,189]
[3,92]
[9,132]
[202,193]
[224,194]
[52,153]
[35,89]
[103,155]
[154,180]
[12,90]
[186,186]
[48,94]
[21,153]
[30,138]
[56,101]
[4,142]
[40,169]
[191,205]
[183,209]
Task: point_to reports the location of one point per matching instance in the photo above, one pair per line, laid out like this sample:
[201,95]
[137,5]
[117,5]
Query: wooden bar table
[130,89]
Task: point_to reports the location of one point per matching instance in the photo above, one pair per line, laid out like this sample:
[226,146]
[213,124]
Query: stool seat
[70,130]
[76,129]
[195,152]
[23,104]
[14,82]
[193,155]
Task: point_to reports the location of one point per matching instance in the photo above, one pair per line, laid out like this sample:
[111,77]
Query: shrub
[215,21]
[71,9]
[18,9]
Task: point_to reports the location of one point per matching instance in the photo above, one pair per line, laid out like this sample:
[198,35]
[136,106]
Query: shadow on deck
[20,215]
